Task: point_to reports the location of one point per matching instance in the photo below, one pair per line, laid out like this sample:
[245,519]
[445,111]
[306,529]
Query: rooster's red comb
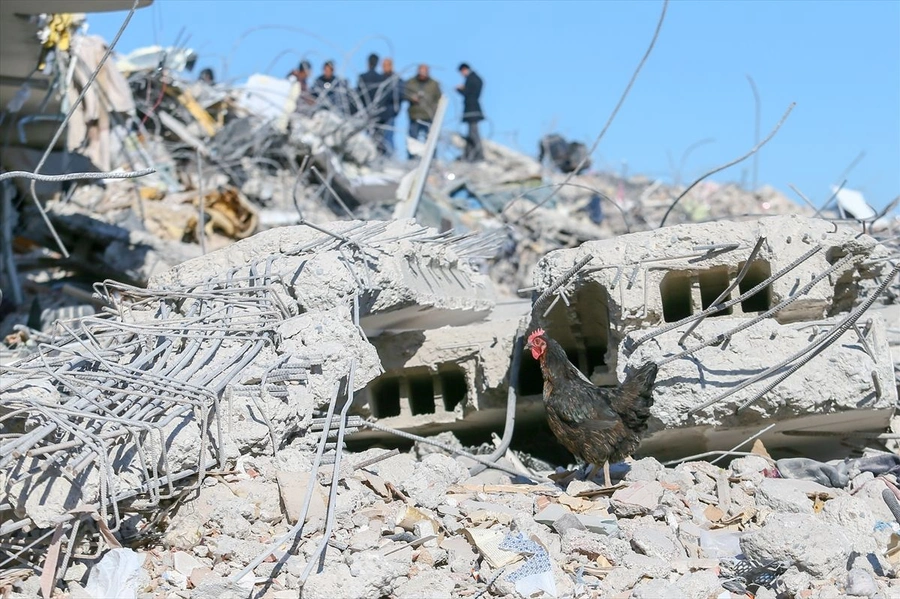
[536,333]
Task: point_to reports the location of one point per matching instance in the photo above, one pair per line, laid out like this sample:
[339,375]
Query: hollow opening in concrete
[453,385]
[834,253]
[582,329]
[712,283]
[531,380]
[386,397]
[675,289]
[592,305]
[421,393]
[758,272]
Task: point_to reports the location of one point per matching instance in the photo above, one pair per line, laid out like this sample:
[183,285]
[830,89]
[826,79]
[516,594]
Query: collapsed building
[217,343]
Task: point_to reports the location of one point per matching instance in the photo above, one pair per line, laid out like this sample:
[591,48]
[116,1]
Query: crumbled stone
[656,588]
[639,498]
[781,495]
[799,539]
[676,477]
[567,522]
[428,585]
[551,514]
[185,563]
[368,538]
[292,488]
[650,566]
[460,554]
[827,591]
[657,542]
[219,588]
[395,469]
[75,573]
[620,579]
[646,469]
[870,493]
[224,547]
[580,486]
[861,584]
[700,585]
[433,475]
[378,573]
[748,466]
[331,583]
[855,518]
[599,524]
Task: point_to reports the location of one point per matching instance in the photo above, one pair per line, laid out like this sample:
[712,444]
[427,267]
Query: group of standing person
[380,95]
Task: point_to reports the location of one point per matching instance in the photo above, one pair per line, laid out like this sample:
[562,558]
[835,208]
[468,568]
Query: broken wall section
[450,378]
[407,277]
[657,277]
[626,305]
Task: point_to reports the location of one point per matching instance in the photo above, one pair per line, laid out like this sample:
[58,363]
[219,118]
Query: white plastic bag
[116,575]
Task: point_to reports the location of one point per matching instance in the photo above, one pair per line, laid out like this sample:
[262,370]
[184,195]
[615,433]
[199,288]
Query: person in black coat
[472,114]
[391,92]
[371,89]
[332,92]
[367,87]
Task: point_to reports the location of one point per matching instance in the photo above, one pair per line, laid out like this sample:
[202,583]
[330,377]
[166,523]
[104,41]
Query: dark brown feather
[595,424]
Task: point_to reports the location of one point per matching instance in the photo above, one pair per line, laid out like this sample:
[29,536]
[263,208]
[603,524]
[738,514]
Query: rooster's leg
[606,478]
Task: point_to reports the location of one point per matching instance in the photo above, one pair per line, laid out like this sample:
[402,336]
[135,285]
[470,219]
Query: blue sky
[561,66]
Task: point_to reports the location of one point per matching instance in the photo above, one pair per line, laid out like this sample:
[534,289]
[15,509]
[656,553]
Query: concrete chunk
[781,495]
[406,282]
[800,539]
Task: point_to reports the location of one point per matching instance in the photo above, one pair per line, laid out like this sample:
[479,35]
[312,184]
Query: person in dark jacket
[332,92]
[472,114]
[423,93]
[367,87]
[391,94]
[370,89]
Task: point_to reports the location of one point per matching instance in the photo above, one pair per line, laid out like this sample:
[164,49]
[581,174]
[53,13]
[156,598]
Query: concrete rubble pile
[212,362]
[224,389]
[640,297]
[406,527]
[232,359]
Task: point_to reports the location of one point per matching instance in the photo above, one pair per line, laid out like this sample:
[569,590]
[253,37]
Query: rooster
[597,425]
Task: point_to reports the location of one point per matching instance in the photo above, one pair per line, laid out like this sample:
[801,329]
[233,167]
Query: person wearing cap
[472,114]
[331,91]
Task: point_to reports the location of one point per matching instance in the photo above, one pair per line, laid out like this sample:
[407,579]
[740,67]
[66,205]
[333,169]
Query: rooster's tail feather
[635,398]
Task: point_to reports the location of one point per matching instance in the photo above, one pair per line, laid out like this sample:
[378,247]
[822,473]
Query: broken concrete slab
[406,279]
[626,305]
[450,378]
[651,278]
[843,389]
[780,496]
